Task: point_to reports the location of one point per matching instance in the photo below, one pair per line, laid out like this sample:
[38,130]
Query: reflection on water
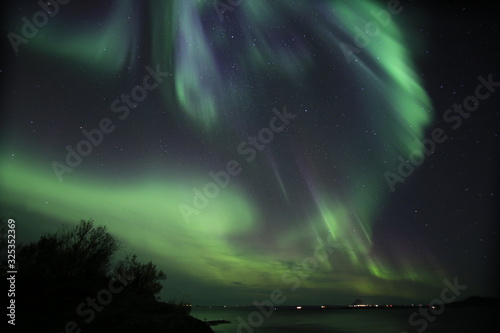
[350,321]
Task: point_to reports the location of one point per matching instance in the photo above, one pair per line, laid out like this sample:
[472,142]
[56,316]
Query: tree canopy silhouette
[82,258]
[81,253]
[64,277]
[141,278]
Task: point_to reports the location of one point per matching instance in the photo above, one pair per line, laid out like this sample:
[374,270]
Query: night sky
[258,148]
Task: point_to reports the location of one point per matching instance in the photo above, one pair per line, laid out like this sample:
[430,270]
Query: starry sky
[334,150]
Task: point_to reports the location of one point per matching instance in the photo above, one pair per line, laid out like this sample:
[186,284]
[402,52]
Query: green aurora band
[218,241]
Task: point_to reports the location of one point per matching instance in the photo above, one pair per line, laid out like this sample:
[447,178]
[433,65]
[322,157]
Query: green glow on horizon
[146,215]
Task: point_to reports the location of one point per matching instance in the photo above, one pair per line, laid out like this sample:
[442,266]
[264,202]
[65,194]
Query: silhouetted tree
[83,252]
[80,258]
[61,271]
[88,248]
[141,278]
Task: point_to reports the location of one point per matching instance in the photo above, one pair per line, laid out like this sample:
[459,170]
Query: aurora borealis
[203,172]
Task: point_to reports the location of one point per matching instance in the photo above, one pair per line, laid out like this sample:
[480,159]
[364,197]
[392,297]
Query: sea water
[246,320]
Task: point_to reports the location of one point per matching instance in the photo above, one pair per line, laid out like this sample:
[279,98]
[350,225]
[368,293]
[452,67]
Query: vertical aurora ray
[348,216]
[197,78]
[398,81]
